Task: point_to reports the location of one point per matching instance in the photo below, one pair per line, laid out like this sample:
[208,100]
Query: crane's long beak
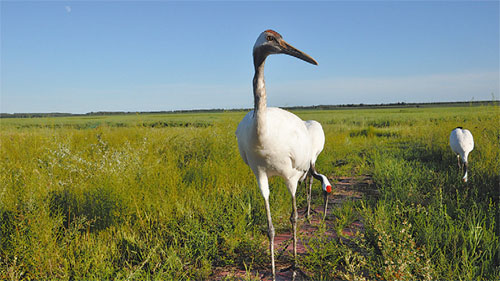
[290,50]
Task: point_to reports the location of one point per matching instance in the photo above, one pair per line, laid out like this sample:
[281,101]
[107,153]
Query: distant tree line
[396,105]
[314,107]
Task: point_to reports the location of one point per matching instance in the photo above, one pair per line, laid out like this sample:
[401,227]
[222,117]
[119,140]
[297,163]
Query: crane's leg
[309,195]
[271,236]
[264,189]
[293,219]
[292,188]
[466,165]
[458,162]
[325,194]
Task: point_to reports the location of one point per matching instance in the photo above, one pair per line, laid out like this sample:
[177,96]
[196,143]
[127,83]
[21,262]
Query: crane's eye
[269,38]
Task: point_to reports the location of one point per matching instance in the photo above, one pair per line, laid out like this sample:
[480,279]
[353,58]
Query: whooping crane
[317,137]
[462,143]
[272,141]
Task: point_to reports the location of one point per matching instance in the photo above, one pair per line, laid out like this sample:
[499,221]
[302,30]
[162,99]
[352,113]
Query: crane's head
[325,184]
[270,42]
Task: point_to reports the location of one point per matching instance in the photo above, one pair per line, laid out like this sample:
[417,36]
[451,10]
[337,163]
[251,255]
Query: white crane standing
[462,144]
[317,137]
[272,141]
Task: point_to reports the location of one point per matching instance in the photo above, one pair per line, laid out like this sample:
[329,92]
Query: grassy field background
[168,197]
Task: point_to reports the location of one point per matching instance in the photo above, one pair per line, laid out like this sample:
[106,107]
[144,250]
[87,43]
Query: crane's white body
[462,143]
[282,148]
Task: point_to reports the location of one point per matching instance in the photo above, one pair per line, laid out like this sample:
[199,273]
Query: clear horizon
[80,57]
[346,106]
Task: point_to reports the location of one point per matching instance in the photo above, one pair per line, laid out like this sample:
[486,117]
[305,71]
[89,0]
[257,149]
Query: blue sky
[82,56]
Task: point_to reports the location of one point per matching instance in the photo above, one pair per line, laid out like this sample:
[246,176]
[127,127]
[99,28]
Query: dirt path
[346,188]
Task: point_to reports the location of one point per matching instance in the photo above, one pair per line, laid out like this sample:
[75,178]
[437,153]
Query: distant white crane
[462,144]
[317,137]
[272,141]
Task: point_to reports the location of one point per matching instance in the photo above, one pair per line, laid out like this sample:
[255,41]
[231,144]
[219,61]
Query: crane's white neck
[325,183]
[259,93]
[259,88]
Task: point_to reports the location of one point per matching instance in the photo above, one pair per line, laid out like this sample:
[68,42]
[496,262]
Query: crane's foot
[268,274]
[296,271]
[314,211]
[291,267]
[285,245]
[303,213]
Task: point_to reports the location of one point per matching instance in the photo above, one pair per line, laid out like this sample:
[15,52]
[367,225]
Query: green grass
[168,197]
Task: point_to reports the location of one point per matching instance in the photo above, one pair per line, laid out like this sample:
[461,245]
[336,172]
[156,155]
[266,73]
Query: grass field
[168,197]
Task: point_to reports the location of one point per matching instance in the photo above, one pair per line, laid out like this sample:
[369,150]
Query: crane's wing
[468,140]
[244,135]
[317,137]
